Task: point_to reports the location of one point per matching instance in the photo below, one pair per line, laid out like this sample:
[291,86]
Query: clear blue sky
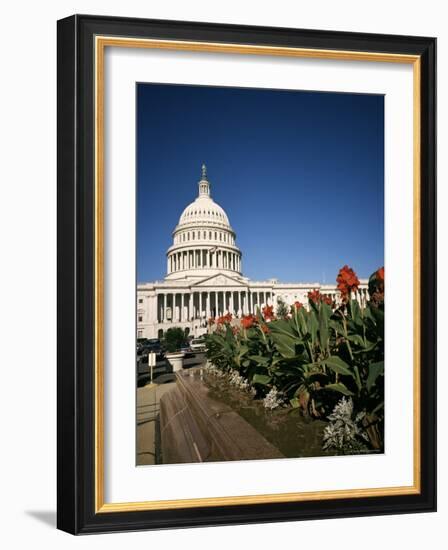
[300,175]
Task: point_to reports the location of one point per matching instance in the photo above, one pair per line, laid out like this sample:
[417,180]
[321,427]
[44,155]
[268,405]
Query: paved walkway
[148,398]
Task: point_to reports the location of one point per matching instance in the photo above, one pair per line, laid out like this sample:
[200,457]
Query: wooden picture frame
[82,40]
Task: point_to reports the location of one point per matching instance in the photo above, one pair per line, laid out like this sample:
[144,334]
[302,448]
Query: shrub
[314,357]
[174,338]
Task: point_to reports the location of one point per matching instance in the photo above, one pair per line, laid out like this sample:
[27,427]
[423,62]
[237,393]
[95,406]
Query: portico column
[232,309]
[176,307]
[207,305]
[190,306]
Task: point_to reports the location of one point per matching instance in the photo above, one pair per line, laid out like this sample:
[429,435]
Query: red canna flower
[314,296]
[264,328]
[211,321]
[268,313]
[248,321]
[376,287]
[224,319]
[347,281]
[298,305]
[327,300]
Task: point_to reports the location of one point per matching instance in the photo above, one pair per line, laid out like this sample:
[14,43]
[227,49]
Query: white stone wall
[191,303]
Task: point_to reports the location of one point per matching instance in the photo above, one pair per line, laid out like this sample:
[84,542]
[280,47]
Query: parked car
[143,368]
[198,344]
[143,359]
[150,345]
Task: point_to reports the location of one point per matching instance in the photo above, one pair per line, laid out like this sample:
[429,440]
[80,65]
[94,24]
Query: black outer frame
[75,402]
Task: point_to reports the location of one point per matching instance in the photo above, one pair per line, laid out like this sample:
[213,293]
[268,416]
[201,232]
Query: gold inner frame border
[100,44]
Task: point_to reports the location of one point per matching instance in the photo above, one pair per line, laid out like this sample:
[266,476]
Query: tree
[174,338]
[282,309]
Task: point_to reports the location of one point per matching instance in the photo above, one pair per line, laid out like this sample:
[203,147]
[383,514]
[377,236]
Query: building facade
[204,276]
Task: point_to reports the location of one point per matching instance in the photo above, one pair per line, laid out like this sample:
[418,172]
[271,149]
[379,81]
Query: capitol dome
[203,240]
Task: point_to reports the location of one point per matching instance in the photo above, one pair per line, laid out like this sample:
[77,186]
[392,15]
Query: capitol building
[205,278]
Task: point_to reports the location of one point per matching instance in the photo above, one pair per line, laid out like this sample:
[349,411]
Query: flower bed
[326,361]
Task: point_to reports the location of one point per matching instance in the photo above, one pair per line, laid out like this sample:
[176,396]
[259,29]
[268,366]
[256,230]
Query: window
[140,300]
[139,333]
[140,319]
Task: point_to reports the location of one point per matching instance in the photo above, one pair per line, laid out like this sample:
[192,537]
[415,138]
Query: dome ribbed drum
[203,240]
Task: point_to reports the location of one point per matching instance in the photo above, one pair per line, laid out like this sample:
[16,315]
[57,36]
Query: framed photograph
[246,274]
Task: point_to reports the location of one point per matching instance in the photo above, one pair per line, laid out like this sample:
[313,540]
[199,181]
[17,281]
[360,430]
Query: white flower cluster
[273,399]
[238,381]
[211,369]
[343,432]
[233,377]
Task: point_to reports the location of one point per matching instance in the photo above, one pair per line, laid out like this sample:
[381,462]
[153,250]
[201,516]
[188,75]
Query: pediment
[220,280]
